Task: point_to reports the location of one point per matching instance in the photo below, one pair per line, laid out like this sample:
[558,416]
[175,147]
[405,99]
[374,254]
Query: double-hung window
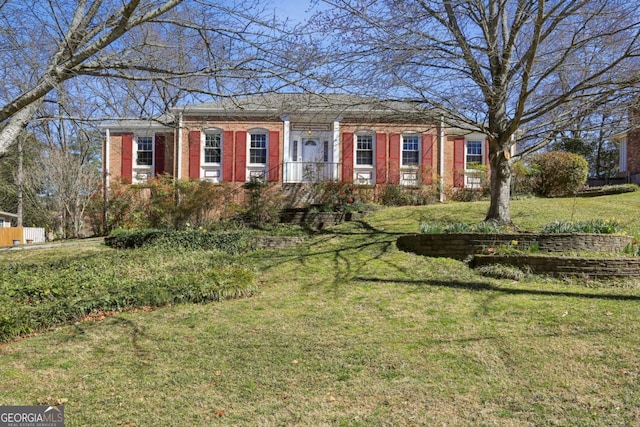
[212,148]
[410,150]
[474,155]
[258,148]
[144,151]
[364,150]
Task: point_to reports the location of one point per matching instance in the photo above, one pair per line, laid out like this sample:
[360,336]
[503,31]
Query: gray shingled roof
[303,104]
[159,123]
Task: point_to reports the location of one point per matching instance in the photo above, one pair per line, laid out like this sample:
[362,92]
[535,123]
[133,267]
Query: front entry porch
[311,157]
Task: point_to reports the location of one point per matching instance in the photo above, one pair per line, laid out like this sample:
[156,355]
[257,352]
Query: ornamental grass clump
[487,227]
[501,271]
[598,226]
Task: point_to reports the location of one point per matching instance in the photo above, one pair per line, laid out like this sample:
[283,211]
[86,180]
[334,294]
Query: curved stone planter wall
[462,245]
[566,266]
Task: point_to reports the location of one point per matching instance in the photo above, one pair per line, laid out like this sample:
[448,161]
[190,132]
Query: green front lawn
[347,330]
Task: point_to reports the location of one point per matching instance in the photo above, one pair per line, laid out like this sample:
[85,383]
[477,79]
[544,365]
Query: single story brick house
[294,139]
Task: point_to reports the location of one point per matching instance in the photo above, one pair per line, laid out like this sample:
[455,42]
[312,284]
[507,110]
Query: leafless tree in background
[507,68]
[66,65]
[151,52]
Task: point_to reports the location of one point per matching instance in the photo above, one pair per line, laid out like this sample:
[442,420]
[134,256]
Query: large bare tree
[154,52]
[66,65]
[506,67]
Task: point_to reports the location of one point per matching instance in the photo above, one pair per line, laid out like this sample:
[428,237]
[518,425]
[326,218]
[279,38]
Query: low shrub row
[597,226]
[38,296]
[230,242]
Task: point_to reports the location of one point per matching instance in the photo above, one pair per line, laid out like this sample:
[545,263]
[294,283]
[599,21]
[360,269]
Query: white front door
[312,150]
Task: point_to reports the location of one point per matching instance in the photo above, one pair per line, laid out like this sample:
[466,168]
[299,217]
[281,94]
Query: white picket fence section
[33,235]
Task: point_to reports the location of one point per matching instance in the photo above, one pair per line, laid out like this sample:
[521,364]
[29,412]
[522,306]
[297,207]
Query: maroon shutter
[241,156]
[227,156]
[274,156]
[458,162]
[159,155]
[127,158]
[381,158]
[394,158]
[347,157]
[427,158]
[194,154]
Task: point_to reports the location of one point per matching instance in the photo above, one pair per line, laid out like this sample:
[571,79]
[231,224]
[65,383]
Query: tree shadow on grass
[362,237]
[485,286]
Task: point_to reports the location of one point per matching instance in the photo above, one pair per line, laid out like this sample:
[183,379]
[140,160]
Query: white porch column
[622,166]
[107,161]
[286,148]
[336,148]
[286,133]
[106,173]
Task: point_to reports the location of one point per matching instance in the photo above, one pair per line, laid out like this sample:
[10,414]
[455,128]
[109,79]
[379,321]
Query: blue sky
[295,10]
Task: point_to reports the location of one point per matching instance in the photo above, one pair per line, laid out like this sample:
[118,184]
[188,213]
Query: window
[144,152]
[1,222]
[258,148]
[474,154]
[364,150]
[212,148]
[410,150]
[325,154]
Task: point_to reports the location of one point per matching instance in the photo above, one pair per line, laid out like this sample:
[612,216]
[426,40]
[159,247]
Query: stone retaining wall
[317,220]
[566,266]
[462,245]
[312,220]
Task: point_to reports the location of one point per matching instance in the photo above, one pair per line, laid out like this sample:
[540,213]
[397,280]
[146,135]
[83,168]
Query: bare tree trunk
[499,209]
[20,183]
[15,124]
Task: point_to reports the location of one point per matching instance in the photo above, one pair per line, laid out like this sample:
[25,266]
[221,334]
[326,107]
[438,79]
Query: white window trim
[475,138]
[135,165]
[203,141]
[373,150]
[402,150]
[471,181]
[258,131]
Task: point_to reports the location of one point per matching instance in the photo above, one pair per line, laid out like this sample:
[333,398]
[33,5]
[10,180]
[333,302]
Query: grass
[346,330]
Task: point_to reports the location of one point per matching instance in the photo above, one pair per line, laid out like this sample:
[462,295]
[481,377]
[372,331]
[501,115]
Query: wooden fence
[12,236]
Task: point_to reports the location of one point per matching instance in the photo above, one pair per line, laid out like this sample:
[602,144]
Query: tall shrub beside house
[559,173]
[169,204]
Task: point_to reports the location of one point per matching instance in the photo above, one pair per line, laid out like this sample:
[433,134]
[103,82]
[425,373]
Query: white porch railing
[295,172]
